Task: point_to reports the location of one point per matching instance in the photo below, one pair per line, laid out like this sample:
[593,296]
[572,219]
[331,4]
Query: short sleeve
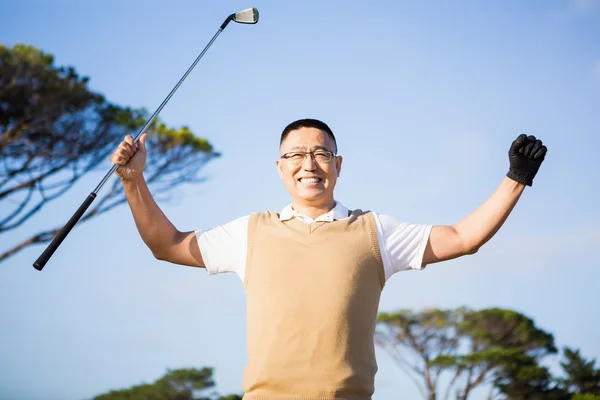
[224,247]
[402,245]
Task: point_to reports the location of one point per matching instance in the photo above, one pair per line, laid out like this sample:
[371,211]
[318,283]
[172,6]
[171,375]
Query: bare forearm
[154,227]
[479,226]
[526,155]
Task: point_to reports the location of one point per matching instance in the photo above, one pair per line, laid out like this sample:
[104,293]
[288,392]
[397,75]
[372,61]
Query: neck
[313,210]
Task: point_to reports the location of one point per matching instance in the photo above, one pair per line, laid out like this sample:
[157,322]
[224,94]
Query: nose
[309,163]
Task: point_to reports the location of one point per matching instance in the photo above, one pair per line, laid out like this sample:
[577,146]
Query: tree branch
[10,173]
[39,238]
[36,208]
[18,210]
[457,375]
[33,181]
[387,343]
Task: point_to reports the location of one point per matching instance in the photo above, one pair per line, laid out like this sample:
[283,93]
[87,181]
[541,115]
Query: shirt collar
[338,212]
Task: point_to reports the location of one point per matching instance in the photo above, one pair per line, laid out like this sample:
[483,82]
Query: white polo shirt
[401,244]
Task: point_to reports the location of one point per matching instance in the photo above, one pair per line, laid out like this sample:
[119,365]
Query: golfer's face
[309,178]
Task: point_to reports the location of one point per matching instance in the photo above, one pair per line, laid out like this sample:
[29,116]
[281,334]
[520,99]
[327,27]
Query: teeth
[310,180]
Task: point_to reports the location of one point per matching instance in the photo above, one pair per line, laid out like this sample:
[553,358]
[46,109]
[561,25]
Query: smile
[309,180]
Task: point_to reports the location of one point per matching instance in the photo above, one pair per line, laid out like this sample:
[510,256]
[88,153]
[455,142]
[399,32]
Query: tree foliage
[54,130]
[581,375]
[178,384]
[525,379]
[496,348]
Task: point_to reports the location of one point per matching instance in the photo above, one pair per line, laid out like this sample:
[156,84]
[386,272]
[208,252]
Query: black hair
[308,123]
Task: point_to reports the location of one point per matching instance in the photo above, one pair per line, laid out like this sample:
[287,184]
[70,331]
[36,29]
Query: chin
[311,197]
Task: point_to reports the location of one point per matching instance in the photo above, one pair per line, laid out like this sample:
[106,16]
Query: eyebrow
[299,147]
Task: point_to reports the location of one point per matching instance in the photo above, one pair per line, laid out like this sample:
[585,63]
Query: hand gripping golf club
[248,16]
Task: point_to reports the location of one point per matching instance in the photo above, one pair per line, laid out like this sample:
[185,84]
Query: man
[313,273]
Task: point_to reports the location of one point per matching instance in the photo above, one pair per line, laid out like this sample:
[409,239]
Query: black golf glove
[525,155]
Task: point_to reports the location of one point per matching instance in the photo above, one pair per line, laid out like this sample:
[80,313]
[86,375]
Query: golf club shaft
[159,109]
[62,234]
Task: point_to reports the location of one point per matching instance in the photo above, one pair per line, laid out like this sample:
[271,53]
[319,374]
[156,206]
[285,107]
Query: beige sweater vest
[312,299]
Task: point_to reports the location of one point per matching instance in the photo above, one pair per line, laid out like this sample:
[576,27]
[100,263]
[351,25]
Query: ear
[279,166]
[338,164]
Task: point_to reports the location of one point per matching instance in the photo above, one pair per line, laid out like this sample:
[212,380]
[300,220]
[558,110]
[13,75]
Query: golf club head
[247,16]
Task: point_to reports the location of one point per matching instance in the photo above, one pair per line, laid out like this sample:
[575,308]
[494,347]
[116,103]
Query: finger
[120,160]
[541,153]
[528,143]
[142,143]
[527,149]
[518,142]
[127,145]
[123,152]
[517,145]
[536,146]
[127,148]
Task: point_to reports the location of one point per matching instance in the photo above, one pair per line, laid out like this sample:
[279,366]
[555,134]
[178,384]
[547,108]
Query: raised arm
[526,155]
[159,234]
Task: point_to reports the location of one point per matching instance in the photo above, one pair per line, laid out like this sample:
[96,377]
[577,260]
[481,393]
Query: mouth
[310,180]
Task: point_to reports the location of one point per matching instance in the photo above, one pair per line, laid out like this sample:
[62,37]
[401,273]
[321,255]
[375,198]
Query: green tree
[581,375]
[524,379]
[472,348]
[178,384]
[54,130]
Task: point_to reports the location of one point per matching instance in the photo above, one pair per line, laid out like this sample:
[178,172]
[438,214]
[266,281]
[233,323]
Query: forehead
[307,138]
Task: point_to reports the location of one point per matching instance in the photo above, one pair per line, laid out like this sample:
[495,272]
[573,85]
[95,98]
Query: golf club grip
[62,234]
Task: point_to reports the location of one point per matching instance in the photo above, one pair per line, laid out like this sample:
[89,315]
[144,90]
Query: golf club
[247,16]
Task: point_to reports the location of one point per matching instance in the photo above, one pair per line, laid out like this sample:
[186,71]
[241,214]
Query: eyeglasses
[297,157]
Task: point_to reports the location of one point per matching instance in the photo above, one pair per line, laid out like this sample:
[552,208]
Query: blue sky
[425,99]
